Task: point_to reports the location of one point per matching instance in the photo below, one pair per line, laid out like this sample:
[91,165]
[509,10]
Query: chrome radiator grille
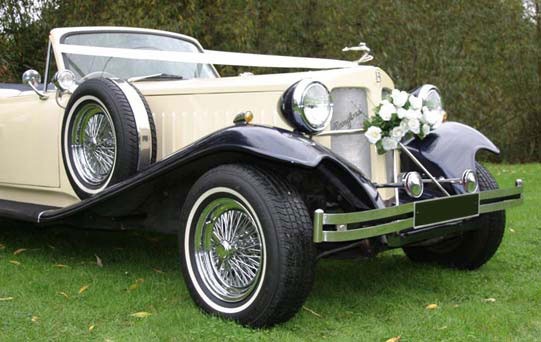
[350,112]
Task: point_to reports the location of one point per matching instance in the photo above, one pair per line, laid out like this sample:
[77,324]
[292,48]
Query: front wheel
[246,246]
[472,249]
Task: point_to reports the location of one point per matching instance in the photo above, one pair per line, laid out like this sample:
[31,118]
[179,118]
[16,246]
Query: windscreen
[124,68]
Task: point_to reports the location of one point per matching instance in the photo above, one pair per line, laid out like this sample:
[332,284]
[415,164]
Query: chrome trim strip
[144,132]
[360,217]
[486,195]
[486,208]
[47,66]
[340,132]
[363,233]
[369,215]
[39,216]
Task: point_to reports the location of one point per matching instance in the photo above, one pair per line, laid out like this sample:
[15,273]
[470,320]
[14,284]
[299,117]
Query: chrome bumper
[411,215]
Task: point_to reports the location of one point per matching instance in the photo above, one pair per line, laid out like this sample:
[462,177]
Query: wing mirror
[32,78]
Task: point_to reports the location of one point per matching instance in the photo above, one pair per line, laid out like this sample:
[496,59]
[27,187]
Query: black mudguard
[451,149]
[272,144]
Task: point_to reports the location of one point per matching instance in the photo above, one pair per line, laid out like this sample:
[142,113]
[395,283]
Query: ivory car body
[259,176]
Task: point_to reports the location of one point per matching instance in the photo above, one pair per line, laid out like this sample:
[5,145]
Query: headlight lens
[65,81]
[431,95]
[469,181]
[413,184]
[307,105]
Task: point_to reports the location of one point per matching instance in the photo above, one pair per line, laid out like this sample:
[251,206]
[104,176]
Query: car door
[29,141]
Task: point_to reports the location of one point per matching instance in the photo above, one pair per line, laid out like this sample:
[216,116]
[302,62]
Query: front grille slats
[350,112]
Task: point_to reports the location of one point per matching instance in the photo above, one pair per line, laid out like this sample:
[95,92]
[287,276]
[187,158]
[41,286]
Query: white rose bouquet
[400,115]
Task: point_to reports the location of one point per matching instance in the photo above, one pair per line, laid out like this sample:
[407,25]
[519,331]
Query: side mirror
[33,79]
[31,76]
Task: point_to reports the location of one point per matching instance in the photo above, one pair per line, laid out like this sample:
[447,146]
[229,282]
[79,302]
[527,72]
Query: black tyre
[246,246]
[102,142]
[471,249]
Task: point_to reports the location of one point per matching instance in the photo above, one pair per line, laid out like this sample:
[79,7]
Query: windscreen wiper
[155,77]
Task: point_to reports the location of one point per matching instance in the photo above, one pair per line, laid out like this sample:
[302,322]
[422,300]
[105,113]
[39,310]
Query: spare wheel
[108,135]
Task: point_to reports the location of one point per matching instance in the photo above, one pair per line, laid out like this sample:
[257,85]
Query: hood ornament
[366,57]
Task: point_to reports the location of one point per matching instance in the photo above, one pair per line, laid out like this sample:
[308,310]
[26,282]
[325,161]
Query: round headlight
[413,184]
[430,95]
[307,105]
[65,81]
[469,181]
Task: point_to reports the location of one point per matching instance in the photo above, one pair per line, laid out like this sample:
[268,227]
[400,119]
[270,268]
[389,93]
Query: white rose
[373,134]
[414,125]
[386,110]
[404,126]
[389,143]
[426,129]
[401,112]
[415,102]
[431,117]
[413,114]
[397,133]
[399,97]
[439,119]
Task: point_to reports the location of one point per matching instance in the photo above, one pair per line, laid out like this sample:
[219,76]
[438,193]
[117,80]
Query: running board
[21,211]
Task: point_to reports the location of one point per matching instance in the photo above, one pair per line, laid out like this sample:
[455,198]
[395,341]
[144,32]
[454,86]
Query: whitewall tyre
[246,246]
[108,135]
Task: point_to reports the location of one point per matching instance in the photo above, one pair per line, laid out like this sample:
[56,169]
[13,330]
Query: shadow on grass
[337,282]
[57,244]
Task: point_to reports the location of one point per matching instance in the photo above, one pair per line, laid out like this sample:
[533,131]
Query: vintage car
[259,176]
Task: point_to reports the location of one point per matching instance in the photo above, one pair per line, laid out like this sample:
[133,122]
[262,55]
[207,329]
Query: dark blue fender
[451,148]
[242,141]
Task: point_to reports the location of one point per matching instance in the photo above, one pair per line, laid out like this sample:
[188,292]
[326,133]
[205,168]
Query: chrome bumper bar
[412,215]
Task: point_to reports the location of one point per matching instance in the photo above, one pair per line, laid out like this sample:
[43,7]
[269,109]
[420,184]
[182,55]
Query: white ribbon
[210,57]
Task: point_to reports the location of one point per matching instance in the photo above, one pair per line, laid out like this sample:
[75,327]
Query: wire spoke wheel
[93,143]
[229,249]
[246,245]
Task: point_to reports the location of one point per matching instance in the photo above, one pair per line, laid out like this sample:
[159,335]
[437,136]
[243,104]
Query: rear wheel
[246,247]
[471,249]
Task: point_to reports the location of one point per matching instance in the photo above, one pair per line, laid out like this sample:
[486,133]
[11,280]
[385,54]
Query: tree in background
[485,55]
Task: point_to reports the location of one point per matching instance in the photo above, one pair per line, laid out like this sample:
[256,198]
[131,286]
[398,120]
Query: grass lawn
[55,291]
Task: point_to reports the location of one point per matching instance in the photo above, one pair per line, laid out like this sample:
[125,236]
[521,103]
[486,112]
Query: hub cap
[93,143]
[228,249]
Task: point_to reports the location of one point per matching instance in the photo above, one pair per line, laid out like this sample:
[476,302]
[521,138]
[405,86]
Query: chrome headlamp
[469,181]
[307,105]
[431,95]
[65,81]
[413,184]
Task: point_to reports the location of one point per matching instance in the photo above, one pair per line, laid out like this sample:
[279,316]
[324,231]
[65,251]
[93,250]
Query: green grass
[356,300]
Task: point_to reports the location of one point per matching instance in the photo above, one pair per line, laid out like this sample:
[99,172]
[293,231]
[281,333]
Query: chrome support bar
[412,157]
[396,171]
[397,184]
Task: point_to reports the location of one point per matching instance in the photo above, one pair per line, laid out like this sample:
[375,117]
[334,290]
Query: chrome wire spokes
[229,249]
[93,143]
